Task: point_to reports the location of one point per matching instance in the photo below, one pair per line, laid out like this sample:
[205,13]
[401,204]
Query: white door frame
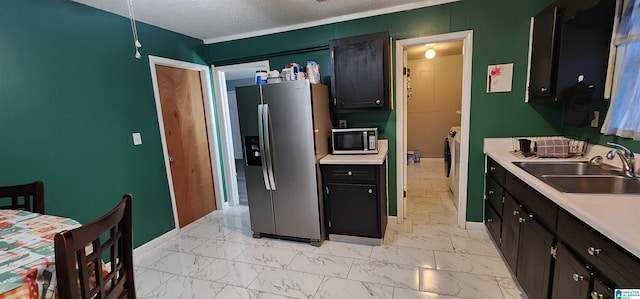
[224,123]
[214,151]
[401,118]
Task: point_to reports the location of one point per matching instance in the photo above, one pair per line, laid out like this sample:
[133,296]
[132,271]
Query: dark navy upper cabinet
[360,72]
[571,39]
[544,53]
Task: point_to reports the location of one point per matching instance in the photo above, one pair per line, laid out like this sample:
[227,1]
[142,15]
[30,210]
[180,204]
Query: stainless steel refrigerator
[285,129]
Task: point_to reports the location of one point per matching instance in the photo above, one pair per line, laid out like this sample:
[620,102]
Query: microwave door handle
[270,161]
[262,146]
[365,140]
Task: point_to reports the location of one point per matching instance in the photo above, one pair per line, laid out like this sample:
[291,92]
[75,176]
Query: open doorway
[434,106]
[226,78]
[402,92]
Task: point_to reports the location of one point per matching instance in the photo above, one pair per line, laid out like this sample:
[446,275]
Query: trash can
[411,157]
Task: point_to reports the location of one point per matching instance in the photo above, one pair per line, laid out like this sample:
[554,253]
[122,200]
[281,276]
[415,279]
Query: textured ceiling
[221,20]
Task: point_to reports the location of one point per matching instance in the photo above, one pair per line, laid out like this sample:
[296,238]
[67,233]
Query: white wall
[233,111]
[235,124]
[431,110]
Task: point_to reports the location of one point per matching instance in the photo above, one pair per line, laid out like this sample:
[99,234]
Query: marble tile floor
[427,256]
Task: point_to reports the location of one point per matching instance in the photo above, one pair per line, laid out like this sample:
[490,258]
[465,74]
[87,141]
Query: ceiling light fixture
[136,43]
[430,54]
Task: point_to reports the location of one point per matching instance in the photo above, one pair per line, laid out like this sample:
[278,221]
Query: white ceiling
[221,20]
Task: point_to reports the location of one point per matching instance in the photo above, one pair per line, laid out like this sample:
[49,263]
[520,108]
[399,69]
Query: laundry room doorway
[434,95]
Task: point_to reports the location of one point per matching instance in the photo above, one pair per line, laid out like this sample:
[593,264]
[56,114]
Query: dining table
[27,253]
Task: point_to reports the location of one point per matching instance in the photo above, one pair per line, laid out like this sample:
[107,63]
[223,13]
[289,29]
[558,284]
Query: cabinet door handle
[577,277]
[489,220]
[370,190]
[596,295]
[491,192]
[349,173]
[378,102]
[520,219]
[492,168]
[543,89]
[515,213]
[594,251]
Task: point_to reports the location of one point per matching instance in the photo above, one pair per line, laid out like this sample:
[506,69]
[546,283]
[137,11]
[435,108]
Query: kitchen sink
[562,168]
[592,183]
[581,177]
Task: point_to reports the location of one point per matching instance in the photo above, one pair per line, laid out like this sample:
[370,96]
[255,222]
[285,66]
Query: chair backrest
[80,252]
[28,197]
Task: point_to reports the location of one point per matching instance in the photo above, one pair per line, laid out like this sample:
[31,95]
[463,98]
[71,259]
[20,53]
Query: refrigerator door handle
[267,138]
[262,147]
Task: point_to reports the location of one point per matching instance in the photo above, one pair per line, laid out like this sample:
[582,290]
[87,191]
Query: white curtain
[623,117]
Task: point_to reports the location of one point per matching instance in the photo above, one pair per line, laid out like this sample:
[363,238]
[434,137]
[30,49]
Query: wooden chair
[29,197]
[107,237]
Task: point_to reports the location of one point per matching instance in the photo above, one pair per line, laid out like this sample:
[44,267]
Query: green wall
[501,34]
[71,94]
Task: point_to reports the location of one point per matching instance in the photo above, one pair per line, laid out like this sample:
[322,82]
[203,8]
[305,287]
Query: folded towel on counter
[552,148]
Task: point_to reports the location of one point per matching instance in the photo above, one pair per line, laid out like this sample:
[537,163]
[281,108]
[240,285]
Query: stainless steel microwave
[354,141]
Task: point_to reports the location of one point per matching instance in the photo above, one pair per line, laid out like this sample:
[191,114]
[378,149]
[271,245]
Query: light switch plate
[137,139]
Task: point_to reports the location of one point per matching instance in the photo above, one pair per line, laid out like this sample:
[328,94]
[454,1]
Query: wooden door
[187,143]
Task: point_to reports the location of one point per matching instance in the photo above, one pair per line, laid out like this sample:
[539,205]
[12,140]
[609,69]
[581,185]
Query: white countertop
[614,215]
[369,159]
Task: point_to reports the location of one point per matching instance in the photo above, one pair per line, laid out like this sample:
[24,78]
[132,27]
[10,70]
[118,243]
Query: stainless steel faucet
[628,160]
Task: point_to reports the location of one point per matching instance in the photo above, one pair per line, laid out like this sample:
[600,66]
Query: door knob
[594,251]
[378,102]
[370,191]
[577,277]
[170,159]
[350,173]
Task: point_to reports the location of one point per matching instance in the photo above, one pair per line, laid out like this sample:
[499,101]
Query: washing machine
[452,161]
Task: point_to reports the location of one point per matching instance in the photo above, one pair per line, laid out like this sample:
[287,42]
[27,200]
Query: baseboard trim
[469,225]
[475,225]
[146,247]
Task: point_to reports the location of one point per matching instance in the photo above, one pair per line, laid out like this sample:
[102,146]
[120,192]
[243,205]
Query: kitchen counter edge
[613,215]
[376,159]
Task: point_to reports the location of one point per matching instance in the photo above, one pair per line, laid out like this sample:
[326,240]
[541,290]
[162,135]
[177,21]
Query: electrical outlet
[342,123]
[596,119]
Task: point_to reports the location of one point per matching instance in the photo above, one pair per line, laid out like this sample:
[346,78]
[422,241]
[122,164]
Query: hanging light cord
[134,29]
